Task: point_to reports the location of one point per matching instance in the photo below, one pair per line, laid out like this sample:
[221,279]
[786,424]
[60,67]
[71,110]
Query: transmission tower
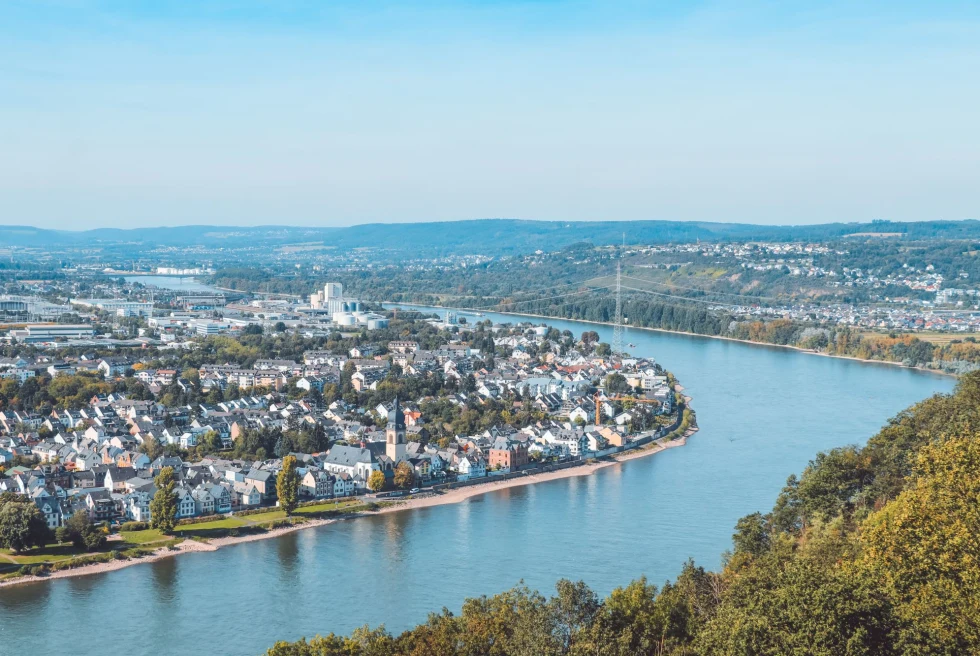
[617,345]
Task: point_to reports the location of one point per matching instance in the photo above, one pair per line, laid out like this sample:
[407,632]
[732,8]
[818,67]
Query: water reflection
[165,573]
[287,552]
[82,587]
[23,600]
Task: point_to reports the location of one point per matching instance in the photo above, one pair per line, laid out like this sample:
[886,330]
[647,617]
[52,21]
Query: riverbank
[690,334]
[452,496]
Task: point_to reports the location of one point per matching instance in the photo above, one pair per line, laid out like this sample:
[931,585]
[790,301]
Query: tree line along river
[763,413]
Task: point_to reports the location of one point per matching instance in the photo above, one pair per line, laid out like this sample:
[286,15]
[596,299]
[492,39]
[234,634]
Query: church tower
[395,434]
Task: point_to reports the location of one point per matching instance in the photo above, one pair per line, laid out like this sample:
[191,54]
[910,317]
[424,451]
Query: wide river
[763,412]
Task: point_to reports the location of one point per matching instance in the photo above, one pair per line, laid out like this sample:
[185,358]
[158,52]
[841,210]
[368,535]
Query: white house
[470,466]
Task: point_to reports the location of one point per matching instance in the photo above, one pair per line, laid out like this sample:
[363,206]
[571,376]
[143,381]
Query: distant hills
[488,236]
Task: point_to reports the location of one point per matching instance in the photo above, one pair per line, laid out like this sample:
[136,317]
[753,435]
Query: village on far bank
[416,404]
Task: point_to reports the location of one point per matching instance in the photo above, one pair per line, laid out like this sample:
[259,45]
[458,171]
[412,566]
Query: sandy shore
[440,499]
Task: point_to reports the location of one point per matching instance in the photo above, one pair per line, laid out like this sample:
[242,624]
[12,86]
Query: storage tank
[344,319]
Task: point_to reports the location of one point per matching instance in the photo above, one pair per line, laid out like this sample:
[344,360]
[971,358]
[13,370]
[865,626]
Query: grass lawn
[143,537]
[264,518]
[217,528]
[329,507]
[47,554]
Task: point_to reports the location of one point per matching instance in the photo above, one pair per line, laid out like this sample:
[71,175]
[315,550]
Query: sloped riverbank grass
[136,541]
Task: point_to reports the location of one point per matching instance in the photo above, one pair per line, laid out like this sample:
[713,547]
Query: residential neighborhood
[528,395]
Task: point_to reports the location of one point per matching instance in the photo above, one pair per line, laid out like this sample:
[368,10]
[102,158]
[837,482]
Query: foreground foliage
[872,550]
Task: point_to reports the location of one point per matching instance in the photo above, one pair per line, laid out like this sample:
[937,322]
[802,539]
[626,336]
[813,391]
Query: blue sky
[335,113]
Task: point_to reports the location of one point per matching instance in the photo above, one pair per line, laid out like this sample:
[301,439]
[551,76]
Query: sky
[126,114]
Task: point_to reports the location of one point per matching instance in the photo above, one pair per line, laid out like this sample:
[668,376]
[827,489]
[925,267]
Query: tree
[152,448]
[21,525]
[922,547]
[287,485]
[81,532]
[589,337]
[404,475]
[616,384]
[209,442]
[318,439]
[603,350]
[376,481]
[163,507]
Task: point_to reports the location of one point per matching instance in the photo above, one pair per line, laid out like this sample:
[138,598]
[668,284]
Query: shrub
[134,526]
[279,523]
[34,570]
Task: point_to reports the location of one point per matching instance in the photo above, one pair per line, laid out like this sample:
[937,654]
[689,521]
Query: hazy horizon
[248,113]
[259,224]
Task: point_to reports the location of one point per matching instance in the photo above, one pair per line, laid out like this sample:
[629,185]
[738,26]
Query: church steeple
[396,418]
[395,434]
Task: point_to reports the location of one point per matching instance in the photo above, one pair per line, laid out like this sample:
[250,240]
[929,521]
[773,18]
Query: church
[395,434]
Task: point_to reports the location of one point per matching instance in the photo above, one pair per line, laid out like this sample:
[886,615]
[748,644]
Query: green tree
[376,481]
[589,337]
[152,448]
[163,507]
[752,535]
[616,384]
[287,485]
[925,550]
[209,442]
[21,525]
[81,532]
[404,475]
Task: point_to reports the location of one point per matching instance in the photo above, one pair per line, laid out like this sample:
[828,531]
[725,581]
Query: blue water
[175,283]
[763,412]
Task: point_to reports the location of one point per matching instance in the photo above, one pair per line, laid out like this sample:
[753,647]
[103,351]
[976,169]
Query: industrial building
[330,300]
[118,306]
[30,308]
[51,332]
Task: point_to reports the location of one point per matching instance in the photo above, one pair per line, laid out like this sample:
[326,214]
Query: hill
[488,236]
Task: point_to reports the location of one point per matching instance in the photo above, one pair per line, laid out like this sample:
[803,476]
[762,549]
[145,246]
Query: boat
[631,345]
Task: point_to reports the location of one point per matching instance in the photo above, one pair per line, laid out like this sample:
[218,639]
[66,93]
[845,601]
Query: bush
[136,552]
[279,523]
[83,560]
[134,526]
[34,570]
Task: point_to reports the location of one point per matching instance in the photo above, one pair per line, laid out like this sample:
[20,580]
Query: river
[763,413]
[173,283]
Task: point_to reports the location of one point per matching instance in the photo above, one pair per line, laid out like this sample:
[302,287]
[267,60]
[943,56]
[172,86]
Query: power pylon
[617,345]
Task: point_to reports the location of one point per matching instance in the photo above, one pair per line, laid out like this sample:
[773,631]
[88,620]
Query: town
[400,404]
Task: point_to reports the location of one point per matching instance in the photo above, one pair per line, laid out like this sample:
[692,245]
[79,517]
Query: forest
[871,550]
